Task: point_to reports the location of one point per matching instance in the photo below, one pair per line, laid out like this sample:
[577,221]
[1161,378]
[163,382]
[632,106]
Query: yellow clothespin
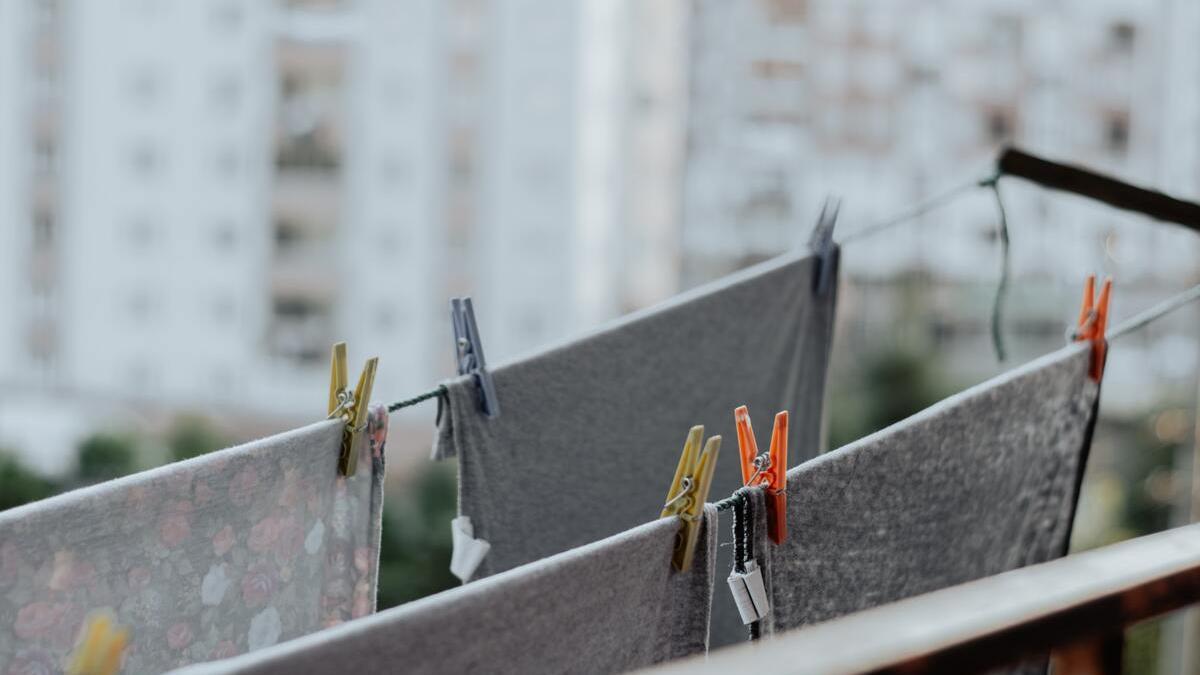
[100,647]
[348,405]
[689,491]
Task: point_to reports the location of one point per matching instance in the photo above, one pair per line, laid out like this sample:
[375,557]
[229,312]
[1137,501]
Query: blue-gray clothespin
[823,247]
[469,350]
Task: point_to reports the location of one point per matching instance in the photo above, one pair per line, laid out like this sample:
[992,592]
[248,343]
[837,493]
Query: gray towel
[202,559]
[610,606]
[591,431]
[983,482]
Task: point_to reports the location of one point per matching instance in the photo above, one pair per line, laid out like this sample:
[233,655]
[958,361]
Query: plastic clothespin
[1093,323]
[768,470]
[822,245]
[100,647]
[350,405]
[689,490]
[469,352]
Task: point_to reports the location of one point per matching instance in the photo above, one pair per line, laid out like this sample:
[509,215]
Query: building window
[45,157]
[43,230]
[387,240]
[47,12]
[141,233]
[145,160]
[385,319]
[227,17]
[224,236]
[223,309]
[300,330]
[1117,133]
[309,109]
[144,88]
[786,11]
[227,163]
[226,93]
[288,235]
[999,125]
[141,306]
[1006,34]
[393,171]
[1122,36]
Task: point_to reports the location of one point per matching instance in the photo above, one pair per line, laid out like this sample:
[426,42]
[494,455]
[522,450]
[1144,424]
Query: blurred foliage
[1142,648]
[192,436]
[19,484]
[889,387]
[414,560]
[104,456]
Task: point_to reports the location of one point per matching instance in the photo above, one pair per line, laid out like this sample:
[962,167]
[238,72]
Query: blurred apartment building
[199,197]
[889,103]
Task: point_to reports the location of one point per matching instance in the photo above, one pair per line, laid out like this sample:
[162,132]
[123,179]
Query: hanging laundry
[597,421]
[983,482]
[610,606]
[203,559]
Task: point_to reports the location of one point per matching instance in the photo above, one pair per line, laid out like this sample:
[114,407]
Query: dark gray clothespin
[469,352]
[823,247]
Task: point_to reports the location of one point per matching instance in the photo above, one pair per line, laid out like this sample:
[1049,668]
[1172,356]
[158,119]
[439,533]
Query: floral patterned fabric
[202,559]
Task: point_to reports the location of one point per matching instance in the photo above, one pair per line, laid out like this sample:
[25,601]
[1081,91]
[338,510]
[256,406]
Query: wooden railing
[1077,607]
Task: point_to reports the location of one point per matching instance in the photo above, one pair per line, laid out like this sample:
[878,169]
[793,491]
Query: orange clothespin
[1093,323]
[689,490]
[768,470]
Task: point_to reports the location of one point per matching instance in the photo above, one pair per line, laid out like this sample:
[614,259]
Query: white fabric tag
[468,551]
[749,593]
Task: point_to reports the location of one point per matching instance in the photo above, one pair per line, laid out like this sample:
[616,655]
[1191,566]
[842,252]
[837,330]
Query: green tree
[414,559]
[192,436]
[891,386]
[19,484]
[104,456]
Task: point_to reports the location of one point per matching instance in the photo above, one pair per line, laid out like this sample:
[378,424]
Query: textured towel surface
[610,606]
[203,559]
[590,432]
[983,482]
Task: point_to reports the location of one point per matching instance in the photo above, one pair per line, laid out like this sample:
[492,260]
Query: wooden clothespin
[468,351]
[689,491]
[350,405]
[823,247]
[101,645]
[768,469]
[1093,323]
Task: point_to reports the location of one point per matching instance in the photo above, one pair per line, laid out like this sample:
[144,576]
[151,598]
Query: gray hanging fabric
[591,430]
[611,606]
[202,559]
[980,483]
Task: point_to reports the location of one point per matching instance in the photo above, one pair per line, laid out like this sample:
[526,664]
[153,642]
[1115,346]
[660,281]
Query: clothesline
[1134,323]
[921,208]
[1147,316]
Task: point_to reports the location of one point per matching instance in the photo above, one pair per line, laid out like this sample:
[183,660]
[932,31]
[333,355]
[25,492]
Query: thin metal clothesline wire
[915,212]
[1126,327]
[1141,319]
[1130,325]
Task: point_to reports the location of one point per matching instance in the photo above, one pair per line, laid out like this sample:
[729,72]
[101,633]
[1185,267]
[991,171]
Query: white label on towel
[750,593]
[468,551]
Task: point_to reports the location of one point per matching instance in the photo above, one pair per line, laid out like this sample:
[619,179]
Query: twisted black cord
[440,391]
